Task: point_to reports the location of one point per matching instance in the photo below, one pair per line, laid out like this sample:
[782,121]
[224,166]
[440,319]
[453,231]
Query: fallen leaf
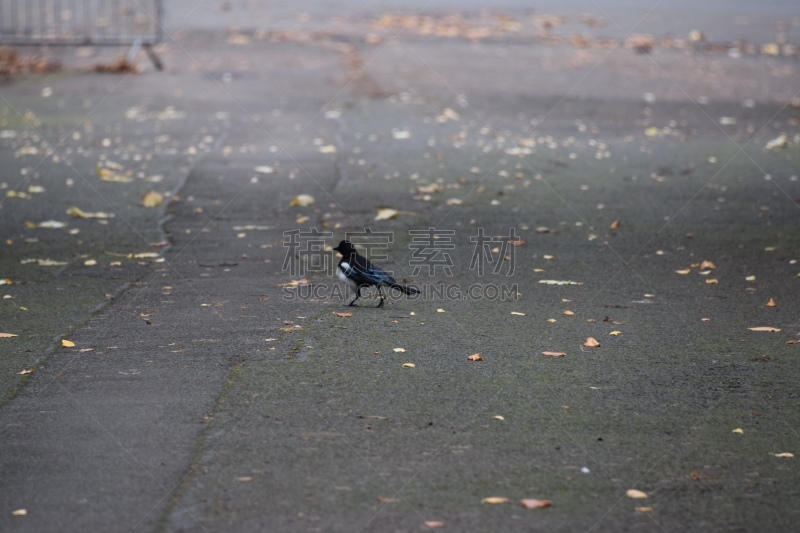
[7,335]
[771,303]
[386,213]
[615,225]
[384,499]
[591,342]
[244,478]
[531,503]
[409,365]
[764,328]
[554,354]
[67,344]
[494,499]
[750,278]
[643,509]
[80,213]
[433,523]
[705,265]
[793,341]
[301,200]
[615,333]
[24,371]
[90,262]
[781,141]
[633,493]
[344,315]
[475,357]
[50,224]
[265,169]
[569,312]
[498,417]
[559,282]
[684,271]
[109,174]
[440,310]
[712,281]
[399,350]
[327,149]
[20,512]
[784,454]
[152,199]
[517,314]
[738,430]
[706,319]
[401,134]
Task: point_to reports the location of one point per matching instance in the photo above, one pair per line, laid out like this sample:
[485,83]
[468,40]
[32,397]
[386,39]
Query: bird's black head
[344,248]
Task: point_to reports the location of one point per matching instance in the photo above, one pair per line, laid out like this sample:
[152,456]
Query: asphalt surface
[210,388]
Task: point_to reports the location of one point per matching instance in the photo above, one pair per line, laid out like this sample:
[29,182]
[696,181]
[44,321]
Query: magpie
[358,272]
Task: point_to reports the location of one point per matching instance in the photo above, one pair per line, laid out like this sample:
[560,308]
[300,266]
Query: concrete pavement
[199,398]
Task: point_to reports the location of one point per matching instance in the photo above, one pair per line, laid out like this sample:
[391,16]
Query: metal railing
[134,23]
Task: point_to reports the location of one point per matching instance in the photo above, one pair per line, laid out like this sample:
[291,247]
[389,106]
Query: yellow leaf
[738,430]
[107,174]
[90,262]
[531,503]
[684,271]
[771,303]
[152,199]
[301,200]
[409,365]
[7,335]
[785,454]
[591,342]
[399,350]
[67,344]
[494,499]
[554,354]
[750,278]
[475,357]
[498,417]
[19,512]
[80,213]
[386,213]
[764,328]
[615,333]
[633,493]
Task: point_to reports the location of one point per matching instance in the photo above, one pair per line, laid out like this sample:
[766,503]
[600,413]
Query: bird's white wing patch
[341,273]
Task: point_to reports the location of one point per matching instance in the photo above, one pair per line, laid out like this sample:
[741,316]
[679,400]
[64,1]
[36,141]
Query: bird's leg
[380,294]
[358,295]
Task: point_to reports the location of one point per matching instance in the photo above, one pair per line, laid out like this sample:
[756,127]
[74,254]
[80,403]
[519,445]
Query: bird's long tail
[406,289]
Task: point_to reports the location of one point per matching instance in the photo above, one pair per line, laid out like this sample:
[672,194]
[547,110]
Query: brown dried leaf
[615,225]
[344,315]
[591,342]
[531,503]
[706,265]
[771,303]
[554,354]
[475,357]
